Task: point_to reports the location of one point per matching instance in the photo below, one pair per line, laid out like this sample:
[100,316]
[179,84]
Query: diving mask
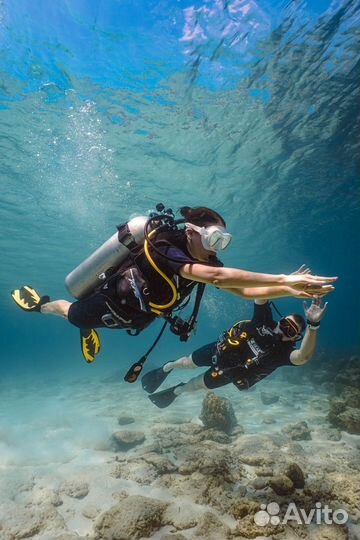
[213,237]
[288,327]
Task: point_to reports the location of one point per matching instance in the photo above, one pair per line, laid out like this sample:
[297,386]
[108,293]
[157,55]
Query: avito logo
[269,514]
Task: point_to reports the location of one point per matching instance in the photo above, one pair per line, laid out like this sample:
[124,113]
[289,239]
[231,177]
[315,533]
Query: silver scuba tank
[90,273]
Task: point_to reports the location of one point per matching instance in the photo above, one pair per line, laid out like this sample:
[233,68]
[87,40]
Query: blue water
[109,107]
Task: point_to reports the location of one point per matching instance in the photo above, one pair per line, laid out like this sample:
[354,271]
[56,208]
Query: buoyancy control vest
[139,289]
[246,355]
[132,273]
[162,296]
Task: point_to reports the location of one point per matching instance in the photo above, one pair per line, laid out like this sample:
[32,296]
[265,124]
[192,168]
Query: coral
[75,488]
[27,521]
[281,484]
[298,432]
[218,413]
[348,420]
[134,517]
[125,440]
[136,470]
[181,515]
[294,472]
[210,527]
[256,450]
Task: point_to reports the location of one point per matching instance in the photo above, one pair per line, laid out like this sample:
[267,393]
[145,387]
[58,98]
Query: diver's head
[291,327]
[205,232]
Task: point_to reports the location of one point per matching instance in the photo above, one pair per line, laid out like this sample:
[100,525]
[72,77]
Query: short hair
[299,319]
[200,215]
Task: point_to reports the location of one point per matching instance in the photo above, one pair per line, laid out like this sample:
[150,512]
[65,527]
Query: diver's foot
[90,343]
[153,379]
[165,397]
[28,298]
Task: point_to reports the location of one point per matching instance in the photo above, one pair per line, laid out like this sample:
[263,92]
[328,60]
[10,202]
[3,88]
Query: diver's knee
[65,306]
[188,362]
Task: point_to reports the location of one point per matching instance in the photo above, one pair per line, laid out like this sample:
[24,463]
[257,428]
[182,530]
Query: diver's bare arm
[264,293]
[269,293]
[307,348]
[229,278]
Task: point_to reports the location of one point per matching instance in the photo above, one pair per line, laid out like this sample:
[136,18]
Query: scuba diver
[245,354]
[147,270]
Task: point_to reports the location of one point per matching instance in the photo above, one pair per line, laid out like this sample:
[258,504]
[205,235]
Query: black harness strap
[135,370]
[189,326]
[192,320]
[276,309]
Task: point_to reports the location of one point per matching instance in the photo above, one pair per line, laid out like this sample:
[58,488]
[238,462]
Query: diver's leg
[205,381]
[57,307]
[153,379]
[185,362]
[199,358]
[196,383]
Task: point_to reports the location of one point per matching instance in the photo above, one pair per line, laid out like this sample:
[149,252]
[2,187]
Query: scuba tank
[91,272]
[94,271]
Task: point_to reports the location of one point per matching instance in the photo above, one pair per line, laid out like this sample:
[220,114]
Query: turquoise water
[250,109]
[108,107]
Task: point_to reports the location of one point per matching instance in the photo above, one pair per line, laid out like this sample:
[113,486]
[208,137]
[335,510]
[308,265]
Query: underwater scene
[191,169]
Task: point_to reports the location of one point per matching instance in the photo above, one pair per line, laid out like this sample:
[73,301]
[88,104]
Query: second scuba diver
[245,354]
[159,267]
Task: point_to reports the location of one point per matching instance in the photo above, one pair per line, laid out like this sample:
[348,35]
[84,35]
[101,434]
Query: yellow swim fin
[28,298]
[90,343]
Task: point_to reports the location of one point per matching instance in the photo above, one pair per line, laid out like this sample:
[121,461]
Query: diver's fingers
[317,280]
[319,290]
[325,307]
[302,270]
[326,289]
[320,279]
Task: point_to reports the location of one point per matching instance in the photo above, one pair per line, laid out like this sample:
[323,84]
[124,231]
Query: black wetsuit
[116,306]
[257,356]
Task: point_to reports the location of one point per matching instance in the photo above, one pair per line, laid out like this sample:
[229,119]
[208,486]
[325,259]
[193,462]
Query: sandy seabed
[165,475]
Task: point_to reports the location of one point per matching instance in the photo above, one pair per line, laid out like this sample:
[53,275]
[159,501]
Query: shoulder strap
[193,317]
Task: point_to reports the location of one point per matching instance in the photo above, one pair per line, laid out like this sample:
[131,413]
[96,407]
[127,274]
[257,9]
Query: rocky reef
[210,477]
[344,412]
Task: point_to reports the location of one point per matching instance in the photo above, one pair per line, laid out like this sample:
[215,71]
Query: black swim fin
[153,379]
[165,397]
[90,343]
[28,298]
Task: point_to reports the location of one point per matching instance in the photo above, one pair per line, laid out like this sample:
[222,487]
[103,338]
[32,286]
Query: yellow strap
[236,342]
[235,325]
[164,276]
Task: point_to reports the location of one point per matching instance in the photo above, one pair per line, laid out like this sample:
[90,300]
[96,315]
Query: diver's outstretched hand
[307,286]
[310,291]
[315,312]
[307,279]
